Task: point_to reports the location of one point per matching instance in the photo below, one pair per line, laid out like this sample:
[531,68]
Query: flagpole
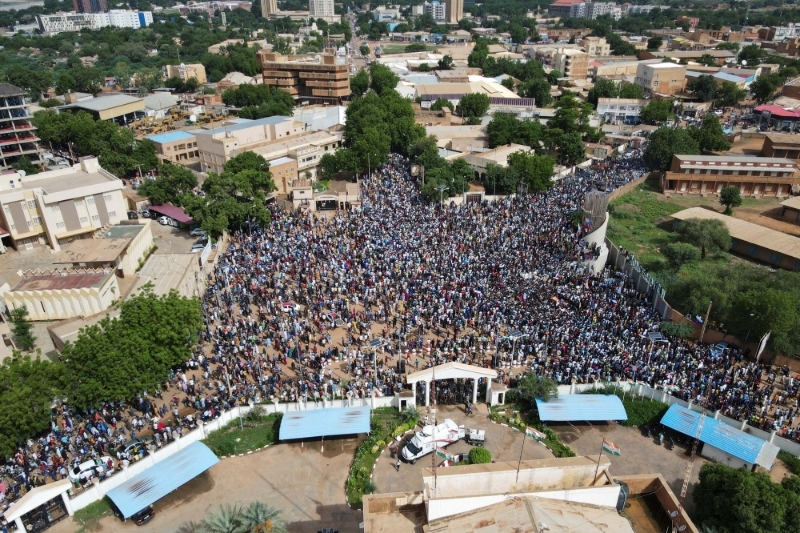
[524,438]
[596,470]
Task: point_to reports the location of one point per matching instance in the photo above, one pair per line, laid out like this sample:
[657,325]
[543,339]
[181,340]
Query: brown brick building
[312,77]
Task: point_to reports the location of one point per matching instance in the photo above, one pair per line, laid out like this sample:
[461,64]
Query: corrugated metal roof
[720,435]
[159,480]
[324,423]
[582,407]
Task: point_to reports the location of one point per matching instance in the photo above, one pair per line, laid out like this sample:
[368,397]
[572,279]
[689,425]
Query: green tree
[571,115]
[656,111]
[258,517]
[446,62]
[709,136]
[364,49]
[382,78]
[765,86]
[27,389]
[553,76]
[172,184]
[654,43]
[473,105]
[602,89]
[571,149]
[710,235]
[735,499]
[666,142]
[502,129]
[753,54]
[22,328]
[680,253]
[535,170]
[682,330]
[538,89]
[359,84]
[730,198]
[234,197]
[763,309]
[532,387]
[707,60]
[24,164]
[424,67]
[226,519]
[730,95]
[478,455]
[631,90]
[118,359]
[441,103]
[704,87]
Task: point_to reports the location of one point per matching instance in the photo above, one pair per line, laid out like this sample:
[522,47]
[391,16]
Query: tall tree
[709,136]
[382,78]
[22,328]
[710,235]
[172,184]
[656,111]
[704,87]
[666,142]
[535,170]
[473,105]
[359,84]
[730,197]
[602,89]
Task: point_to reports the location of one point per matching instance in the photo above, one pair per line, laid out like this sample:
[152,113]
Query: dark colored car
[132,215]
[140,518]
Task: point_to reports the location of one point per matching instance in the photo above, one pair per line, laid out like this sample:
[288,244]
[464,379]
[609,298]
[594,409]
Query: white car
[288,306]
[164,221]
[197,232]
[89,469]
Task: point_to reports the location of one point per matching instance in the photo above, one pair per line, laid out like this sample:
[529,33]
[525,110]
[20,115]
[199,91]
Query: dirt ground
[639,454]
[503,442]
[306,483]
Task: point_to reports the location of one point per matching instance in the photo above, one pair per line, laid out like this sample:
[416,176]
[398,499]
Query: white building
[436,9]
[384,14]
[321,8]
[118,18]
[620,110]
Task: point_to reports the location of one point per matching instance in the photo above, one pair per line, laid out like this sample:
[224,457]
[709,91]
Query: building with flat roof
[54,208]
[306,150]
[177,147]
[454,11]
[67,22]
[763,244]
[119,108]
[480,160]
[791,210]
[185,71]
[708,175]
[60,294]
[661,78]
[720,56]
[122,247]
[89,6]
[318,77]
[17,133]
[596,46]
[166,272]
[620,110]
[572,63]
[781,145]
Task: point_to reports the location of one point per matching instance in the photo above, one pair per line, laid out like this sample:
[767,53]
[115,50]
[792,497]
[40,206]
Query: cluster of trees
[116,147]
[533,81]
[707,89]
[113,360]
[232,199]
[666,142]
[735,499]
[379,121]
[259,101]
[257,517]
[608,89]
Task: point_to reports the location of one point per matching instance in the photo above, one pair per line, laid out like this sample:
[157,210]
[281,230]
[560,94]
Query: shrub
[380,444]
[792,462]
[641,411]
[479,456]
[255,414]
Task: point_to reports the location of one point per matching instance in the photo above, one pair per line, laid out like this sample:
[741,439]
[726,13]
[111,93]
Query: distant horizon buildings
[118,18]
[268,7]
[90,6]
[321,8]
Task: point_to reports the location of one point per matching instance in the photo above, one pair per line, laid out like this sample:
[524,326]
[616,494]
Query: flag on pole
[441,452]
[610,447]
[532,432]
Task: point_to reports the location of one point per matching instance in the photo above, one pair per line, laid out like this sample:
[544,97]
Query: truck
[429,438]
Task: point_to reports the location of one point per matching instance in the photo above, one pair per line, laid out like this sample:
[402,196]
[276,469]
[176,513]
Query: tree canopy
[665,143]
[710,235]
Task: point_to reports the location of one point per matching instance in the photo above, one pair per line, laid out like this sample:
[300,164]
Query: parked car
[288,306]
[196,247]
[140,518]
[89,469]
[146,213]
[135,447]
[132,215]
[197,232]
[164,221]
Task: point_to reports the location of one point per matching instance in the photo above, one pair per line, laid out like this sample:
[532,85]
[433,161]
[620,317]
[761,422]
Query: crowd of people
[311,307]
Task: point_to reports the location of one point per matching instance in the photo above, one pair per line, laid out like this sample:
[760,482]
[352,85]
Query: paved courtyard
[503,442]
[306,483]
[639,454]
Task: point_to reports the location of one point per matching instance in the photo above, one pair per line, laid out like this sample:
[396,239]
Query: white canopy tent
[450,371]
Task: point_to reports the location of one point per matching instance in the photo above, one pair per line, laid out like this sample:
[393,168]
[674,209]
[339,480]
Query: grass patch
[641,411]
[88,517]
[386,423]
[258,430]
[792,462]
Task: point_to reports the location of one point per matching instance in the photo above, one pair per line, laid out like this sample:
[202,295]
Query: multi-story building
[572,63]
[562,8]
[385,14]
[321,8]
[779,33]
[598,9]
[620,110]
[269,7]
[89,6]
[176,147]
[454,11]
[661,78]
[63,22]
[435,9]
[56,207]
[596,46]
[185,71]
[318,77]
[17,133]
[578,9]
[692,22]
[708,175]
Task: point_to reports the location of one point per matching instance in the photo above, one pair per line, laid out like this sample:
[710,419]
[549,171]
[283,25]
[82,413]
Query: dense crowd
[312,307]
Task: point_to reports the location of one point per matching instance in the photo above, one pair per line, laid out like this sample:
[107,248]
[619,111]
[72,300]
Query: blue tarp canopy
[582,408]
[737,443]
[162,478]
[324,423]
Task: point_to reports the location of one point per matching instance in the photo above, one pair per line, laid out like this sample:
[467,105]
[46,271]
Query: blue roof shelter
[581,408]
[325,423]
[721,441]
[162,478]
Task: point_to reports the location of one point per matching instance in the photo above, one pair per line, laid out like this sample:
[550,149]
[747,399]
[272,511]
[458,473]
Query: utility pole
[705,321]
